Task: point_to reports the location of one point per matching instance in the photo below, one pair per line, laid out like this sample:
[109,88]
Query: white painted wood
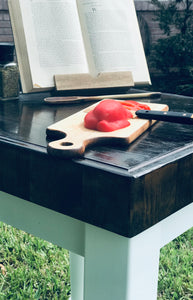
[176,224]
[127,269]
[42,222]
[104,265]
[77,276]
[120,268]
[143,268]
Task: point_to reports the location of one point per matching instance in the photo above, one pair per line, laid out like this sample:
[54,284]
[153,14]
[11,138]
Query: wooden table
[113,209]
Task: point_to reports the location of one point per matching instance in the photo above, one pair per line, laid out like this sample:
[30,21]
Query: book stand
[86,81]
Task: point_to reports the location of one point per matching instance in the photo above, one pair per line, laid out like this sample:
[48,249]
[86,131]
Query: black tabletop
[124,189]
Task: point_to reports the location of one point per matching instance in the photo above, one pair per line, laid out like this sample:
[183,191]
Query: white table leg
[120,268]
[76,276]
[127,269]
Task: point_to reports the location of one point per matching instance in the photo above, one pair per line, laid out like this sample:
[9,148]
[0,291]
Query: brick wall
[146,12]
[5,25]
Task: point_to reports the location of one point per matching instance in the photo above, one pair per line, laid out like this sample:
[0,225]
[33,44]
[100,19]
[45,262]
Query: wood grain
[77,137]
[86,81]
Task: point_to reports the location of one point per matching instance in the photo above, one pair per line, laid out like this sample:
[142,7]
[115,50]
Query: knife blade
[167,116]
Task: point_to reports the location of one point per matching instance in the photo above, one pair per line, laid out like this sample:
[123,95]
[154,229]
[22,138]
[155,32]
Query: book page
[114,37]
[54,39]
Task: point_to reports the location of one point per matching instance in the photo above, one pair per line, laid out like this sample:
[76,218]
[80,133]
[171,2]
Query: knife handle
[168,116]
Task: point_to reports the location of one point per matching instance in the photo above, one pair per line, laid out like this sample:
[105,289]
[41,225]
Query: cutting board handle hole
[66,144]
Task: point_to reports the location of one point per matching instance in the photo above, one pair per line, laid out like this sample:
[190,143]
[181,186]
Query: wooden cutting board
[77,137]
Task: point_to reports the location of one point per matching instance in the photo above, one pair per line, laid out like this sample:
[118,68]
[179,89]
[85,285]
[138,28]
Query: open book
[76,37]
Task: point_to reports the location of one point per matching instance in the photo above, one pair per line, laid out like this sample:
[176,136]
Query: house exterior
[5,25]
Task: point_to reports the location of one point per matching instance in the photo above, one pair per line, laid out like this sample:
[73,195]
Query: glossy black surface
[26,121]
[124,189]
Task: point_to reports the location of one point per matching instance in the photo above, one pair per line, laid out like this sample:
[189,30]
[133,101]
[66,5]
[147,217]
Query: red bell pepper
[134,105]
[108,115]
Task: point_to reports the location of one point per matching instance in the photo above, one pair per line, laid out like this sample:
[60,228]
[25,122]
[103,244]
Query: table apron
[69,233]
[42,222]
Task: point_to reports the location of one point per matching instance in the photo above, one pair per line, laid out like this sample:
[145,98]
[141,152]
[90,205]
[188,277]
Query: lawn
[31,268]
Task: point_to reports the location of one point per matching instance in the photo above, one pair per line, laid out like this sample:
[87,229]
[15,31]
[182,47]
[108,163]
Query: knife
[167,116]
[79,99]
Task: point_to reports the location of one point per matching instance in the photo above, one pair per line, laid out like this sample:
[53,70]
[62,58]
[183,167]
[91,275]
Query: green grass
[176,269]
[31,268]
